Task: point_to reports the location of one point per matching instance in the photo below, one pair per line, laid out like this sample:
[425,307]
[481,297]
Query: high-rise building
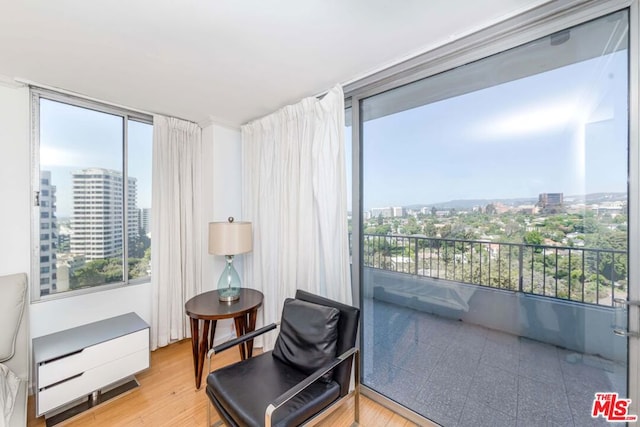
[133,220]
[398,211]
[48,234]
[97,220]
[384,212]
[551,202]
[145,220]
[67,265]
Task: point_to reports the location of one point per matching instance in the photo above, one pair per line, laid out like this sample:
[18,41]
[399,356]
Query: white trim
[34,144]
[62,91]
[211,120]
[71,98]
[9,82]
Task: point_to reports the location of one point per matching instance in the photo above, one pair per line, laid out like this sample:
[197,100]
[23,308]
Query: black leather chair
[304,378]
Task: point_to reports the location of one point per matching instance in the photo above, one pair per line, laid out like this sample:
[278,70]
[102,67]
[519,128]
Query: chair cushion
[308,335]
[347,332]
[245,389]
[13,291]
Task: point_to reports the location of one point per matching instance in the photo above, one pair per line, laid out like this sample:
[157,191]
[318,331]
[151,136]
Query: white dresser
[79,363]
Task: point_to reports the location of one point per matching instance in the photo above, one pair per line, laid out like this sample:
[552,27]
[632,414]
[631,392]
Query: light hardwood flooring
[167,397]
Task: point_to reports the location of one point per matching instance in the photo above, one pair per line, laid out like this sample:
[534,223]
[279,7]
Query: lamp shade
[230,238]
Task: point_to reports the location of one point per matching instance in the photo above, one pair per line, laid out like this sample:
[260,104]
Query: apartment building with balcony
[97,220]
[145,220]
[48,234]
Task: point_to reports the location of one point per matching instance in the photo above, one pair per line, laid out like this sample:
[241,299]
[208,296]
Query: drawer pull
[61,357]
[63,381]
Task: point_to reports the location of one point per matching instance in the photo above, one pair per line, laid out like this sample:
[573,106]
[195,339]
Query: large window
[92,194]
[496,232]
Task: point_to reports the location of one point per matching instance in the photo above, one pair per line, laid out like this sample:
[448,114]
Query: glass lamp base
[229,294]
[229,283]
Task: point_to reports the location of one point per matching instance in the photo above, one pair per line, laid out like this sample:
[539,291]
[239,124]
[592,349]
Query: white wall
[68,312]
[222,185]
[14,180]
[221,170]
[227,173]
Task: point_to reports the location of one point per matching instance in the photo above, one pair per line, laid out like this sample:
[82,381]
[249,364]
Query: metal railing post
[416,254]
[521,267]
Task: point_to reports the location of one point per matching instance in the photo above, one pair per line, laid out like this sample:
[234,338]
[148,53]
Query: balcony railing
[592,276]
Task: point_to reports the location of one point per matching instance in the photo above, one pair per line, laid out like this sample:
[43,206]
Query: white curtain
[176,229]
[294,193]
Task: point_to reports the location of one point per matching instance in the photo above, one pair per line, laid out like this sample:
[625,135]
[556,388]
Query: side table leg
[195,333]
[240,330]
[202,351]
[212,332]
[253,314]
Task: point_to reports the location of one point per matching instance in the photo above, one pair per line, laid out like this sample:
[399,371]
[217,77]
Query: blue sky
[73,138]
[563,130]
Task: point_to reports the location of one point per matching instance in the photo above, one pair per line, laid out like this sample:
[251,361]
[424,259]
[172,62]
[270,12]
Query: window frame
[498,37]
[36,94]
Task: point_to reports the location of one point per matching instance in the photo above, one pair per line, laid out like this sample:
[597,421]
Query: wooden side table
[207,308]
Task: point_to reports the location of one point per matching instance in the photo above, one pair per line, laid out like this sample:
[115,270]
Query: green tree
[383,229]
[138,244]
[430,230]
[445,231]
[411,227]
[87,275]
[533,238]
[588,225]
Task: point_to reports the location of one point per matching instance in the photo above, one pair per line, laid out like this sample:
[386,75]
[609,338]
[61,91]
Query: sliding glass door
[494,246]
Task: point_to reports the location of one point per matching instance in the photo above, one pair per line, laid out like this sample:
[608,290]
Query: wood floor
[167,397]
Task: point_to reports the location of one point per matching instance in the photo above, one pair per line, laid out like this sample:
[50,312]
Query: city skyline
[614,196]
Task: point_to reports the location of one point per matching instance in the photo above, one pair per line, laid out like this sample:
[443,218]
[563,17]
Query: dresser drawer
[91,357]
[93,379]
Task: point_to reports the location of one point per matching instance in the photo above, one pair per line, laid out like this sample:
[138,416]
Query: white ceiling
[229,61]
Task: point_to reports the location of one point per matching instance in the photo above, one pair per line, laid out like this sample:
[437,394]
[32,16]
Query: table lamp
[229,238]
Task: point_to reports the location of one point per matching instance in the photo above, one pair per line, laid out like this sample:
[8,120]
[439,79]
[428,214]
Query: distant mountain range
[466,204]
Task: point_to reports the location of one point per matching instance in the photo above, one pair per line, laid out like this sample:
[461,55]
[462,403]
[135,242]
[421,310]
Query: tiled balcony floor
[458,374]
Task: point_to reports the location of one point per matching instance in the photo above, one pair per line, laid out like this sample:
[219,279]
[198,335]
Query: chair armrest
[239,340]
[293,391]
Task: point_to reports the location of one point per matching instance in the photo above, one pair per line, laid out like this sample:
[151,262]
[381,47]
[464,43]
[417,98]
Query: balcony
[595,276]
[482,333]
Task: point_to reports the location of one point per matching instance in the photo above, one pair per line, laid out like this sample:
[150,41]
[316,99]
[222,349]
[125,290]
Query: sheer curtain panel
[176,227]
[294,193]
